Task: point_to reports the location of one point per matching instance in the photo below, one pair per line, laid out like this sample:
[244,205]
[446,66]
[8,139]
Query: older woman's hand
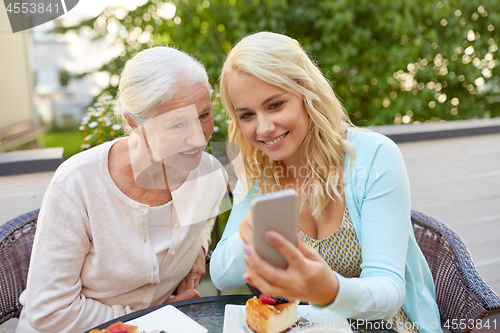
[307,278]
[187,294]
[188,287]
[246,229]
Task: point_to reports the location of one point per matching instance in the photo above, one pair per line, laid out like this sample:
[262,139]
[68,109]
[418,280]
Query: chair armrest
[465,265]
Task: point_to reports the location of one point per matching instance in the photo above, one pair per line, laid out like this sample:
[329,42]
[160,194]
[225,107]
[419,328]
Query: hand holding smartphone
[277,211]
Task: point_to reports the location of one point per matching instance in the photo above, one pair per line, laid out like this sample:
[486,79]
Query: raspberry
[272,300]
[266,299]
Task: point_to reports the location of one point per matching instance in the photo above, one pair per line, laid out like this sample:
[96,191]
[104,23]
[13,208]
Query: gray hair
[152,77]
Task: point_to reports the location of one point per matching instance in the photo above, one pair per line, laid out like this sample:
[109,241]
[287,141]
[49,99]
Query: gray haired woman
[126,223]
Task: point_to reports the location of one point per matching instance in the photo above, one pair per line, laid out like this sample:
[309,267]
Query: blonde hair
[152,77]
[280,61]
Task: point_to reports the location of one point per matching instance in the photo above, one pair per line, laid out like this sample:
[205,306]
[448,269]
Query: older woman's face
[180,131]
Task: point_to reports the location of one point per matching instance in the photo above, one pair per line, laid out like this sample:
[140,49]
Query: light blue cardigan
[394,270]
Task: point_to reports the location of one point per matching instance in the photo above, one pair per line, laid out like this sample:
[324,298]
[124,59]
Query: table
[209,312]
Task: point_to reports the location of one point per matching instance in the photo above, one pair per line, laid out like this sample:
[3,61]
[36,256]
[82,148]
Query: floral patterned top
[342,252]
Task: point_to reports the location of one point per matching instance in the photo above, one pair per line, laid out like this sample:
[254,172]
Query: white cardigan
[92,259]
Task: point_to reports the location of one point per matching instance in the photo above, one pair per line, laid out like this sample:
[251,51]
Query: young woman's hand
[307,278]
[246,229]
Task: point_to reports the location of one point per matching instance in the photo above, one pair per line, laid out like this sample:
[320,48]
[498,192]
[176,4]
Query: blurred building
[37,91]
[19,125]
[59,99]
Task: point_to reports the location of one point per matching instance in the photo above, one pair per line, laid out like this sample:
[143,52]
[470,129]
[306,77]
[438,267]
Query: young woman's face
[271,119]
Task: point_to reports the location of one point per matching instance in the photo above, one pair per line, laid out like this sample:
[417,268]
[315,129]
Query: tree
[389,61]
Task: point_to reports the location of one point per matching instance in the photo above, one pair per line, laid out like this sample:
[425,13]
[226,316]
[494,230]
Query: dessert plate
[168,319]
[313,320]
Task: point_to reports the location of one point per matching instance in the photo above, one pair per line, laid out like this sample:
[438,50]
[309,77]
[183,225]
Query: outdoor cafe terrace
[454,171]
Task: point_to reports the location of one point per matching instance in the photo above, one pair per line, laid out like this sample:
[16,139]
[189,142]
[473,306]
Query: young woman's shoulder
[364,137]
[369,146]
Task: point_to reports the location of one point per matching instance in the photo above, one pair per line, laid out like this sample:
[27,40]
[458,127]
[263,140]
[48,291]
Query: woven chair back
[16,241]
[462,296]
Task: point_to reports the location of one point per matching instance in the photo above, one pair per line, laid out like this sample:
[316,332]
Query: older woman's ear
[130,121]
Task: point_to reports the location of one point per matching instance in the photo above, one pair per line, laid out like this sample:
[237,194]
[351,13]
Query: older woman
[126,223]
[358,256]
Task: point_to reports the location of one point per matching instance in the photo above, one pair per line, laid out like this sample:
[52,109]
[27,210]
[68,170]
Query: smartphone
[277,211]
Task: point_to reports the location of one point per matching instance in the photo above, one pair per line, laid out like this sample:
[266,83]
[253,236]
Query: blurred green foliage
[100,123]
[389,61]
[399,61]
[221,119]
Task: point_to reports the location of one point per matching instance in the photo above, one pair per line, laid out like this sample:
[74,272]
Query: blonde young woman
[358,256]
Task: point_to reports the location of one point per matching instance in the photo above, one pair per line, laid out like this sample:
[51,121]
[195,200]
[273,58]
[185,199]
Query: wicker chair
[461,293]
[16,241]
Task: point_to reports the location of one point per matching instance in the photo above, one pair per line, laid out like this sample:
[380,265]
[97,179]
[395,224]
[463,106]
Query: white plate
[319,320]
[168,319]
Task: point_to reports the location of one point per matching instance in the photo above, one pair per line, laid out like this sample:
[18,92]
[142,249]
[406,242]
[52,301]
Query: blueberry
[280,300]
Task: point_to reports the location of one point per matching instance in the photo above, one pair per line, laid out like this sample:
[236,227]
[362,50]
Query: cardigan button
[176,226]
[172,253]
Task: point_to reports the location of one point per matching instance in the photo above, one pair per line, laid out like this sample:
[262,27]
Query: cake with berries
[268,314]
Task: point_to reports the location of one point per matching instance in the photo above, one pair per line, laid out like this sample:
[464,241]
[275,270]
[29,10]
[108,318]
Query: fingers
[198,272]
[291,282]
[198,280]
[268,288]
[253,261]
[262,274]
[260,280]
[187,294]
[191,283]
[248,279]
[193,279]
[291,253]
[182,286]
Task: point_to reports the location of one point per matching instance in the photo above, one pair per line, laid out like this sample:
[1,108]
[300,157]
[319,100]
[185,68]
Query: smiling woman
[126,223]
[356,254]
[269,117]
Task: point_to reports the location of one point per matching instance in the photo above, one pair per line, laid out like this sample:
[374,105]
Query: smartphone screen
[277,211]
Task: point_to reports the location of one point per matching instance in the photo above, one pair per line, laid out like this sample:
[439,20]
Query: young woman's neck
[294,173]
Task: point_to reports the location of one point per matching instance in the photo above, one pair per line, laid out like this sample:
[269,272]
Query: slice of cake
[268,314]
